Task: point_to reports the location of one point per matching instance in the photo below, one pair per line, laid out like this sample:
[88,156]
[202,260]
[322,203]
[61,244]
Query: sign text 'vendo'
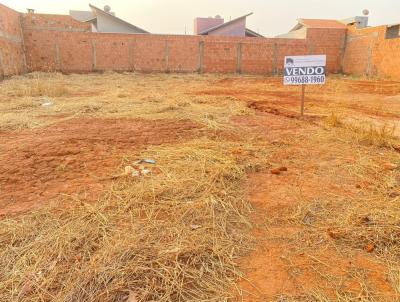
[305,70]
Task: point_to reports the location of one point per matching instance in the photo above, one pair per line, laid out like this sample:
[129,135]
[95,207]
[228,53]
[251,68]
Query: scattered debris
[390,166]
[137,169]
[146,161]
[129,170]
[279,170]
[47,103]
[145,171]
[335,234]
[370,248]
[275,171]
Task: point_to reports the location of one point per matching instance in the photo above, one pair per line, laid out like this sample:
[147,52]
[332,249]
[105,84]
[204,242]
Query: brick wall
[11,43]
[387,59]
[38,42]
[369,53]
[330,42]
[62,44]
[56,42]
[33,42]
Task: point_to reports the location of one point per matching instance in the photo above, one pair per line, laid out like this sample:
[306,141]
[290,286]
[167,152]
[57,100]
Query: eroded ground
[326,229]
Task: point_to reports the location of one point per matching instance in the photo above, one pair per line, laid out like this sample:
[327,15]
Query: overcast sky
[271,17]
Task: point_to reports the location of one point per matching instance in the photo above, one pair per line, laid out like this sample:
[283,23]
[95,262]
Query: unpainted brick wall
[330,42]
[62,44]
[368,53]
[387,59]
[39,42]
[12,59]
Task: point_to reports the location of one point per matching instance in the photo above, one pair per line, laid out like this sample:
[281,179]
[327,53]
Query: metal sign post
[303,91]
[305,70]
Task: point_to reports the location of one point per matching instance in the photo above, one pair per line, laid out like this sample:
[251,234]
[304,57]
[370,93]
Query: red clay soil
[358,97]
[276,268]
[283,263]
[77,157]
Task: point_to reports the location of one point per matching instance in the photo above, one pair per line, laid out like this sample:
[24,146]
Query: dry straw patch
[37,84]
[347,235]
[21,99]
[113,95]
[366,222]
[172,236]
[367,225]
[365,133]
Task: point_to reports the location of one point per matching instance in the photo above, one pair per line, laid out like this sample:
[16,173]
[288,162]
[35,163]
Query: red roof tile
[321,23]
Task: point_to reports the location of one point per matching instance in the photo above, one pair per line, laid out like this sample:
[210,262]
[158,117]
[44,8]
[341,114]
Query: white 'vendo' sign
[305,70]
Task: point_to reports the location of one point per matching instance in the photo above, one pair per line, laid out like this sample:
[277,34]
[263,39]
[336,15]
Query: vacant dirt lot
[247,201]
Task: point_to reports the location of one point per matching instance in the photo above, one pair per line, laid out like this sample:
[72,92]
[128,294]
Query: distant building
[359,21]
[300,30]
[202,24]
[393,31]
[217,27]
[105,21]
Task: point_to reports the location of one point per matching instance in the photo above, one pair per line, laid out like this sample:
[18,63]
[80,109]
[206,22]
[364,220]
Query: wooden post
[303,90]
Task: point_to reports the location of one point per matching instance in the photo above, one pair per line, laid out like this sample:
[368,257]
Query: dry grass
[349,223]
[37,84]
[394,276]
[113,95]
[176,235]
[173,236]
[370,134]
[333,120]
[365,133]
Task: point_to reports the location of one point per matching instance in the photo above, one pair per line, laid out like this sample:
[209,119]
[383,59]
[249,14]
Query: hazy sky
[271,17]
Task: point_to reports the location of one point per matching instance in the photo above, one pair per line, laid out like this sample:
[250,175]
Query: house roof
[205,32]
[252,33]
[321,23]
[97,10]
[82,16]
[295,34]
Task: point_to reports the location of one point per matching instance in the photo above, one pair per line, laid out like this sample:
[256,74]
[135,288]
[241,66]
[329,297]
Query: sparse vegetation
[366,133]
[326,228]
[149,97]
[37,85]
[375,135]
[334,121]
[173,236]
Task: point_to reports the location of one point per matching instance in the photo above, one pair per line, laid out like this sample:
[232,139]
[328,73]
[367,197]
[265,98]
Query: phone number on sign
[315,79]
